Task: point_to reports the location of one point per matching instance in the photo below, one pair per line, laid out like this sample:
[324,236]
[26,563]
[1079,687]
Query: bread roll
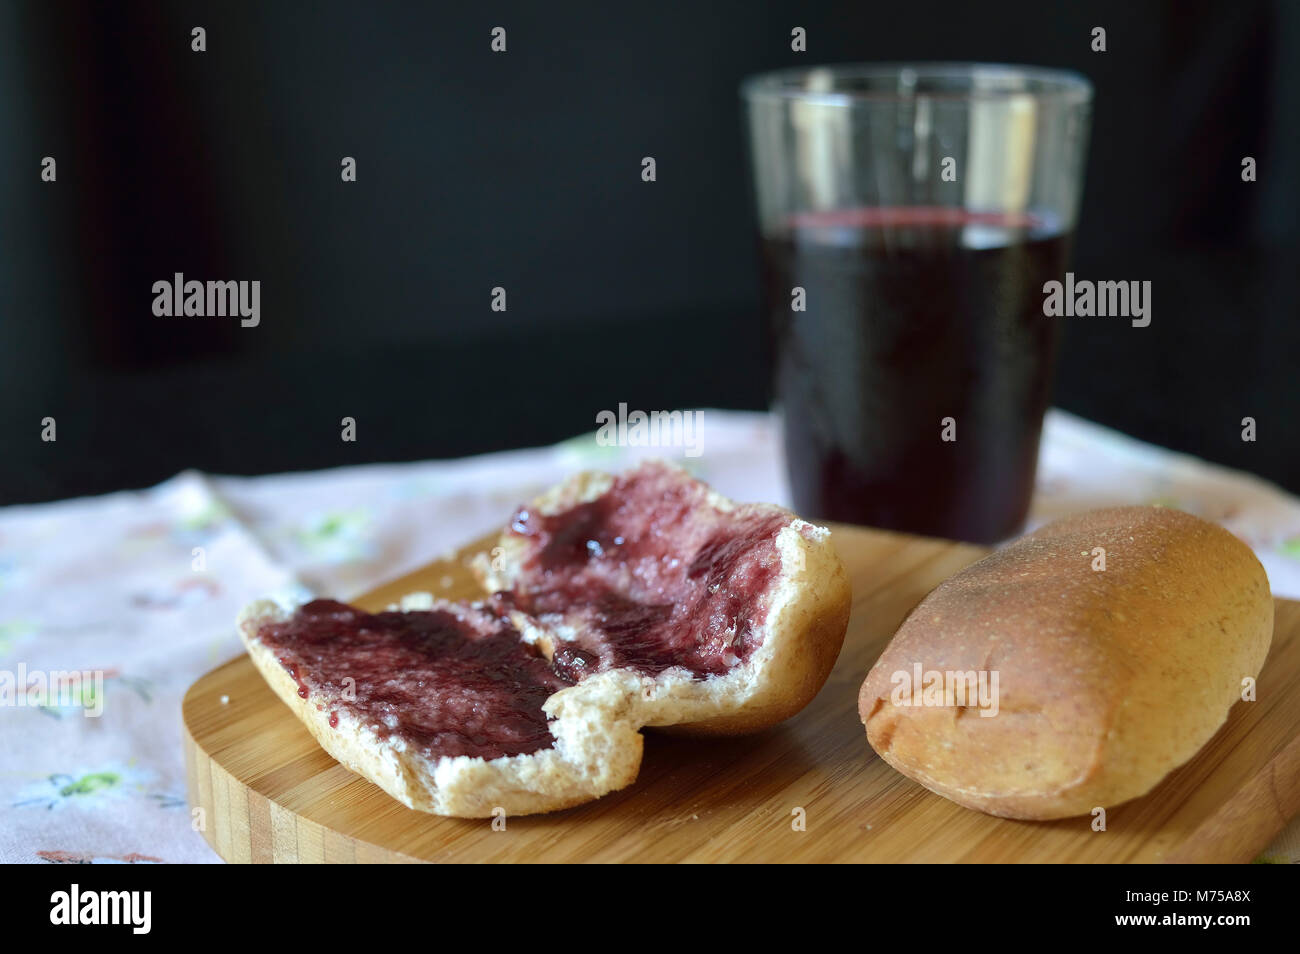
[1097,682]
[592,753]
[616,603]
[796,633]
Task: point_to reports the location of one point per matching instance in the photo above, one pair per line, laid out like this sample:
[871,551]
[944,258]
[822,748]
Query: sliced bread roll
[704,615]
[618,602]
[440,704]
[1075,668]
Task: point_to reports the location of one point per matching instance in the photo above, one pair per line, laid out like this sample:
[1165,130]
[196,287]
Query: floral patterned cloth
[144,586]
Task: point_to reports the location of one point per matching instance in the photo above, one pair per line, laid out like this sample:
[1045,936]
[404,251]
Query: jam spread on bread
[445,684]
[650,575]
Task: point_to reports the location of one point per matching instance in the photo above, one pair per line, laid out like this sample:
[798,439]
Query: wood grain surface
[269,793]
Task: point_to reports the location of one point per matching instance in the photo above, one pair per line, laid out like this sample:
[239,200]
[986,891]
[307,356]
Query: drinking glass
[909,217]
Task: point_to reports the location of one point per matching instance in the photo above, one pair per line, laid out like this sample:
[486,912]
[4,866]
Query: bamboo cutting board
[269,793]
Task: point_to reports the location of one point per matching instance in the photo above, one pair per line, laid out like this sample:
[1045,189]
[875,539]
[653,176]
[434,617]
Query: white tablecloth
[110,583]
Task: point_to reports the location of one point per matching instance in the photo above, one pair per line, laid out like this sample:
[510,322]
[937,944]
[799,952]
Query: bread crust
[1109,679]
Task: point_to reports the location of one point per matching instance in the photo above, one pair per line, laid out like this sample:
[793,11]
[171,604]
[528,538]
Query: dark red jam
[445,685]
[654,575]
[293,674]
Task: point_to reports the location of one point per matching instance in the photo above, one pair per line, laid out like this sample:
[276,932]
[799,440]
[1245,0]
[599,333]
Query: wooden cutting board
[269,793]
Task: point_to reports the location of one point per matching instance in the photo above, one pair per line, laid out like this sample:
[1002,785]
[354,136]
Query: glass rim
[1005,81]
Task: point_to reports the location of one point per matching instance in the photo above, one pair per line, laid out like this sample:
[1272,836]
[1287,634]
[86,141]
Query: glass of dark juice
[909,217]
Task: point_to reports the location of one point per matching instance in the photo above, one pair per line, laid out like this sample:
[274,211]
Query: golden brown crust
[1108,678]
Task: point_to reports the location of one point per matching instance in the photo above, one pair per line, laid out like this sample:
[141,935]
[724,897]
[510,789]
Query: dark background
[523,170]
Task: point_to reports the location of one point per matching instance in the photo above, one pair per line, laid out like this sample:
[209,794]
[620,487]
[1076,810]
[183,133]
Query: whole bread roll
[1096,682]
